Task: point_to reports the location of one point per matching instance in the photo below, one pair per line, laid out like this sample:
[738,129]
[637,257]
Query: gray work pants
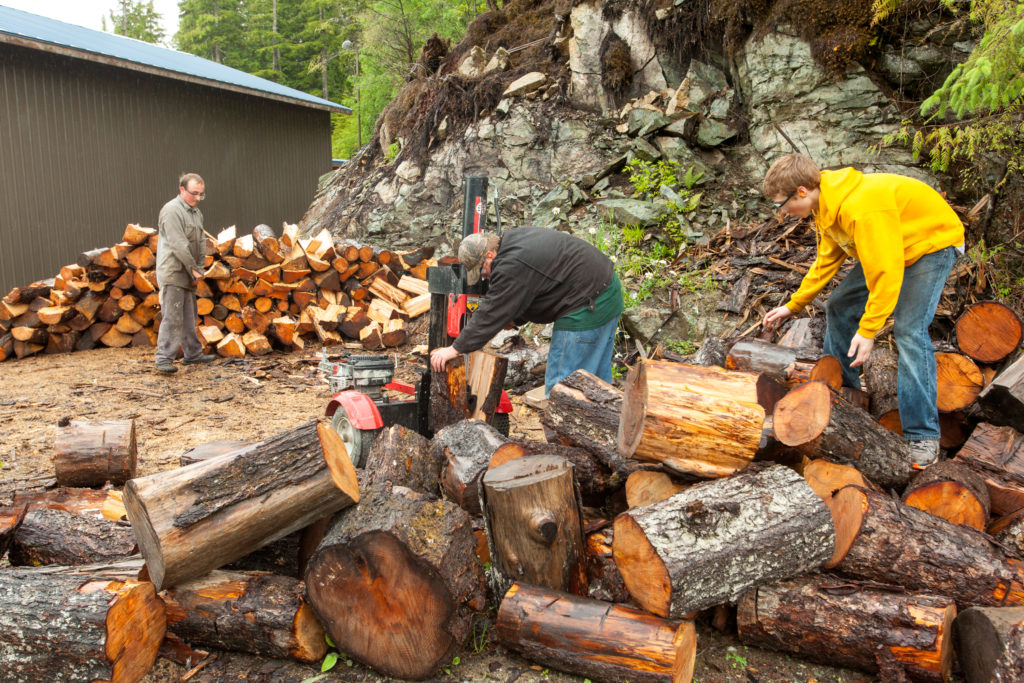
[178,325]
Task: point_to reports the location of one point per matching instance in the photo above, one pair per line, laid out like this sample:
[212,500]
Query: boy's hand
[860,349]
[775,317]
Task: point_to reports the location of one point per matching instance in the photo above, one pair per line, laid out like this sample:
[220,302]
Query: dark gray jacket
[181,245]
[538,276]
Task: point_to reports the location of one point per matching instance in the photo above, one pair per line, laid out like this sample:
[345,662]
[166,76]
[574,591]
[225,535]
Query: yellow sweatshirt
[885,221]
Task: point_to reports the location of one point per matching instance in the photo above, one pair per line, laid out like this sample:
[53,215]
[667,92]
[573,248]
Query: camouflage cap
[472,252]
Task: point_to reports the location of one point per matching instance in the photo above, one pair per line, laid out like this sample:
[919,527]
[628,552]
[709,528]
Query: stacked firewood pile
[259,292]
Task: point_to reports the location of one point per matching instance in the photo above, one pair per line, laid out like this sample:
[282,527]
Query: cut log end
[136,625]
[634,409]
[803,413]
[343,472]
[848,506]
[643,571]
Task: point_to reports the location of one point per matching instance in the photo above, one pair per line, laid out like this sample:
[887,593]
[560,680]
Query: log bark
[816,421]
[66,538]
[595,639]
[1003,399]
[697,421]
[783,363]
[467,448]
[879,379]
[396,580]
[603,577]
[988,331]
[1010,667]
[449,395]
[982,638]
[584,411]
[880,539]
[254,612]
[93,453]
[534,525]
[10,519]
[66,628]
[201,517]
[851,625]
[950,490]
[996,454]
[593,478]
[714,541]
[401,457]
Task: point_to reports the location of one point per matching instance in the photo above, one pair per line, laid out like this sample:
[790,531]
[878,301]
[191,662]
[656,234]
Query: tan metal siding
[86,148]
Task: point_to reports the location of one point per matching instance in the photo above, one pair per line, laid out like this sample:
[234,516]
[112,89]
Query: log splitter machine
[359,409]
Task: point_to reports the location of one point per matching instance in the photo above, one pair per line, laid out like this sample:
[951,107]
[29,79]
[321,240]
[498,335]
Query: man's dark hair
[186,178]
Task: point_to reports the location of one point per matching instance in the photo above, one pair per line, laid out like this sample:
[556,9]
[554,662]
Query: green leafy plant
[480,634]
[393,149]
[332,657]
[684,347]
[455,663]
[736,660]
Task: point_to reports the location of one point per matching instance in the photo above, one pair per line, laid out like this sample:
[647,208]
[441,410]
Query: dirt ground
[250,399]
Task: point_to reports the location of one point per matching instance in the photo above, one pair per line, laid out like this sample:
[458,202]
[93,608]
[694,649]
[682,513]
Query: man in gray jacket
[179,261]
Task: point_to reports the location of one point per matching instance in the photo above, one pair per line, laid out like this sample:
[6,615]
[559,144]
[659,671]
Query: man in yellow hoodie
[904,237]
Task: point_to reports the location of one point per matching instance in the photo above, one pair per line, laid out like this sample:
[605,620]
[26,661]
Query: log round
[826,620]
[645,487]
[950,490]
[68,628]
[593,478]
[466,448]
[819,423]
[396,582]
[879,380]
[982,637]
[93,453]
[585,411]
[988,331]
[66,538]
[595,639]
[201,517]
[698,421]
[959,381]
[712,542]
[255,612]
[534,524]
[881,539]
[826,478]
[401,457]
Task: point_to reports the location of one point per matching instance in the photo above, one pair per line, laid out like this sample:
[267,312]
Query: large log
[830,621]
[950,490]
[255,612]
[584,410]
[881,539]
[197,518]
[1003,399]
[982,638]
[593,478]
[819,423]
[93,453]
[694,420]
[712,542]
[996,454]
[467,448]
[988,331]
[68,628]
[596,639]
[396,581]
[534,525]
[401,457]
[785,364]
[66,538]
[879,379]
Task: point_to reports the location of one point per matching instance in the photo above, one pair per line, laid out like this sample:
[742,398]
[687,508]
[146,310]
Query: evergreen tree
[136,19]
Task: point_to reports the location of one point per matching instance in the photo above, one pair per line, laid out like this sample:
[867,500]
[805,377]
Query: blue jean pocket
[590,337]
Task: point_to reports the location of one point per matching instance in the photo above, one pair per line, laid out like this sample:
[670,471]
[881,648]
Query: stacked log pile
[259,292]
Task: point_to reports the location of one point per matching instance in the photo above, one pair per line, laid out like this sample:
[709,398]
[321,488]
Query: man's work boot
[924,453]
[166,368]
[201,358]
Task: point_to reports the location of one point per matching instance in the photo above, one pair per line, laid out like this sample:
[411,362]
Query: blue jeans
[573,350]
[915,308]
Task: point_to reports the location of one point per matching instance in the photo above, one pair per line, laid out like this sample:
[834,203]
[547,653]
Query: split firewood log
[416,306]
[950,490]
[136,234]
[256,343]
[225,241]
[534,524]
[645,487]
[197,518]
[396,581]
[996,454]
[983,636]
[931,556]
[593,638]
[594,479]
[269,246]
[988,331]
[1003,399]
[117,627]
[604,580]
[694,420]
[231,346]
[772,508]
[851,624]
[466,448]
[485,377]
[93,453]
[959,381]
[401,457]
[449,395]
[816,421]
[584,411]
[51,536]
[255,612]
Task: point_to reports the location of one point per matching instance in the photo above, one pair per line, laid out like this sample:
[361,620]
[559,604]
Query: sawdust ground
[247,400]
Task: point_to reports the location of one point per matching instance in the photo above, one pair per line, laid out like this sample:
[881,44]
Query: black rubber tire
[501,423]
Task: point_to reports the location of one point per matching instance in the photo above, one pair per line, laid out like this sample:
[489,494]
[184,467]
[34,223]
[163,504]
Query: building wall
[87,148]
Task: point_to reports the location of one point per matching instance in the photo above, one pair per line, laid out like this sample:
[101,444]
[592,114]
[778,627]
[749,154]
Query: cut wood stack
[259,292]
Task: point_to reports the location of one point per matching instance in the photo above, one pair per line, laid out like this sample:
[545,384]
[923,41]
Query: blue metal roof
[23,28]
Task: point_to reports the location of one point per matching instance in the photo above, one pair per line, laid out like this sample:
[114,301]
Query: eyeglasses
[200,195]
[779,205]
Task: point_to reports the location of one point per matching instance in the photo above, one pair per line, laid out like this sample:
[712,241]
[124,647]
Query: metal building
[95,130]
